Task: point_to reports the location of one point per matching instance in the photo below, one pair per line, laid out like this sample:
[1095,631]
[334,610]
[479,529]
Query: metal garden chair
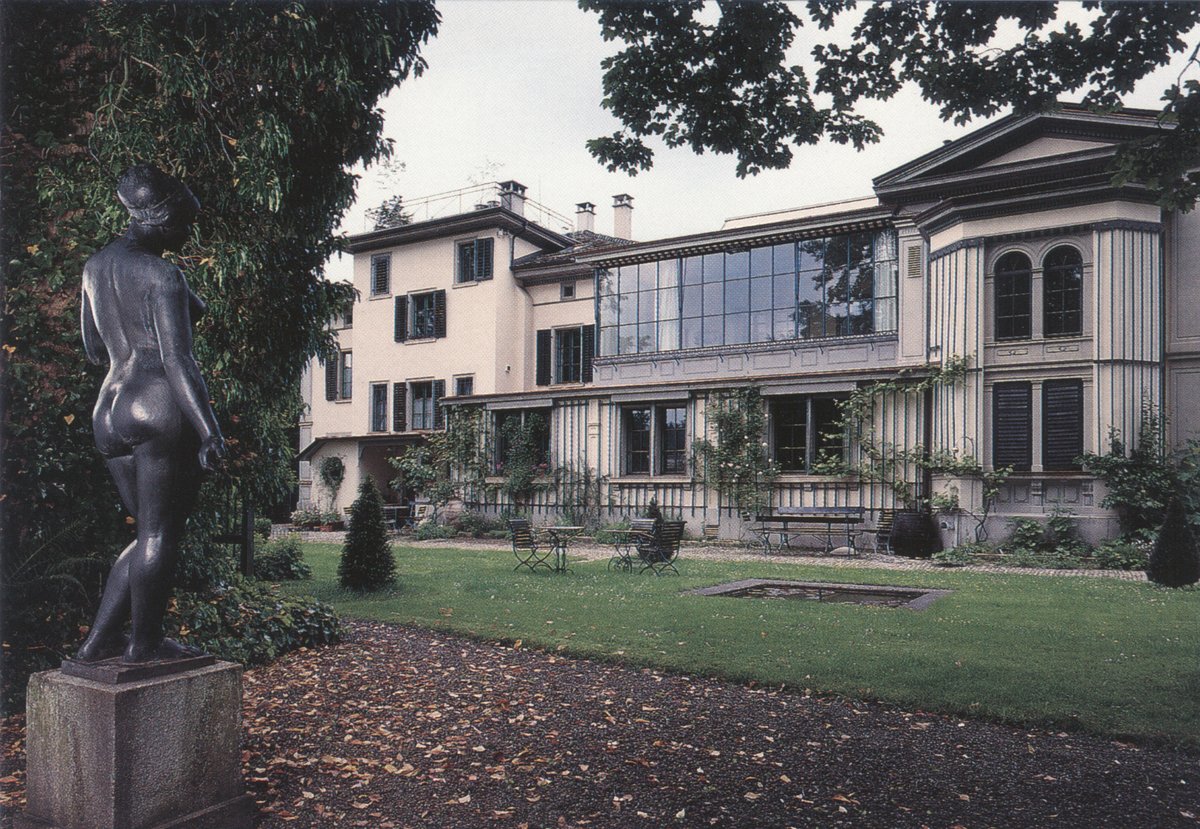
[525,547]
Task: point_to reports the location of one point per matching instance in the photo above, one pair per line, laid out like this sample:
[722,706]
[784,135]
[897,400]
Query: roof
[849,216]
[966,155]
[546,266]
[485,218]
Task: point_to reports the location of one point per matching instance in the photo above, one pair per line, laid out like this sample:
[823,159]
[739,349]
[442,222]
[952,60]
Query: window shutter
[589,348]
[331,378]
[544,350]
[380,274]
[1012,441]
[1062,424]
[483,258]
[399,407]
[439,414]
[401,322]
[439,314]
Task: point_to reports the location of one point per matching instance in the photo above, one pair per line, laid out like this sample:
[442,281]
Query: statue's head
[160,205]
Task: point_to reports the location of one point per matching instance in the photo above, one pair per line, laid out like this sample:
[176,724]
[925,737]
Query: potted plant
[914,533]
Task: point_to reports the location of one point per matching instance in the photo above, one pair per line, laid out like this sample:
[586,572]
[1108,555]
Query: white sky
[513,91]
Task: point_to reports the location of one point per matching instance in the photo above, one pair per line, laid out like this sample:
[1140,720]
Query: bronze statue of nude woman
[152,422]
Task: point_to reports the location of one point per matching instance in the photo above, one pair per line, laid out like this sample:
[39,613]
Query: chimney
[623,216]
[585,216]
[512,196]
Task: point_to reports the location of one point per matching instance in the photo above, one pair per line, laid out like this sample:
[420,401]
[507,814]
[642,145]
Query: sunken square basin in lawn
[914,598]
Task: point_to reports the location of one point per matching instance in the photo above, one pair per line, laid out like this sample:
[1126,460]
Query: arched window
[1063,292]
[1013,277]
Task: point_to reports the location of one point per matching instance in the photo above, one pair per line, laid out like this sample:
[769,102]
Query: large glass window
[379,394]
[637,441]
[655,439]
[346,387]
[339,376]
[1062,292]
[805,431]
[421,416]
[1013,296]
[521,424]
[423,316]
[568,346]
[838,286]
[474,261]
[672,426]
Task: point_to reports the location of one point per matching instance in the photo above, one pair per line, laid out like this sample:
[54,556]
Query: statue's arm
[171,300]
[93,346]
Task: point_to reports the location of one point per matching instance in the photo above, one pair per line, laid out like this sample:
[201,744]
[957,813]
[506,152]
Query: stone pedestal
[126,751]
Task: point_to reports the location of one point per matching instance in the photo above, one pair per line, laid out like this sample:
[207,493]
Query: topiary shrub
[1174,561]
[281,560]
[367,562]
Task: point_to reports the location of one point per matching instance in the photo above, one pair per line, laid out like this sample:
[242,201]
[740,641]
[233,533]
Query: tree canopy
[727,86]
[261,109]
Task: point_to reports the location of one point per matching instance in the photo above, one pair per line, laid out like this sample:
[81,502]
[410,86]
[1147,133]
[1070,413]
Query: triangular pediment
[1047,146]
[1071,134]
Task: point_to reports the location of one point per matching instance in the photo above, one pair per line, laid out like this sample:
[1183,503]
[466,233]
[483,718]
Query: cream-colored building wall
[1183,327]
[1183,283]
[912,325]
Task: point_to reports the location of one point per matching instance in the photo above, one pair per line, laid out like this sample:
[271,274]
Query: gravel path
[739,552]
[400,727]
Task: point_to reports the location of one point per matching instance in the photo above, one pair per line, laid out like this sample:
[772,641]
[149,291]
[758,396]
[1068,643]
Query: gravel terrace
[402,727]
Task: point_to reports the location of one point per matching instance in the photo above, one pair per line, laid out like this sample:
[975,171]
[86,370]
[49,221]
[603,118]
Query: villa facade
[1057,300]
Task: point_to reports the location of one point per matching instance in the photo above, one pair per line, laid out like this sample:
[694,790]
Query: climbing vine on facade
[737,461]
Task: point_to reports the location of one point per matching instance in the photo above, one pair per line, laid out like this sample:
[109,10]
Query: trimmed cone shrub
[1175,561]
[367,562]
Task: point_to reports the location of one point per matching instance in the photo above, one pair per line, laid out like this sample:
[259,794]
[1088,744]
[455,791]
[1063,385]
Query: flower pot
[914,535]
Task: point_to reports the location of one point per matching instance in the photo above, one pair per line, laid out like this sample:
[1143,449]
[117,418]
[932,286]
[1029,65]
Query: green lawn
[1113,657]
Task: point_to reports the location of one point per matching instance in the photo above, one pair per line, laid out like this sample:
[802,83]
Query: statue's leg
[105,638]
[166,490]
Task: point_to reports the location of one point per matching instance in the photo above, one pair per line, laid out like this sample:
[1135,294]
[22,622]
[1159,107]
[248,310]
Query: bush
[281,560]
[249,622]
[961,555]
[430,530]
[312,516]
[367,562]
[1120,554]
[262,528]
[1173,561]
[1055,544]
[476,524]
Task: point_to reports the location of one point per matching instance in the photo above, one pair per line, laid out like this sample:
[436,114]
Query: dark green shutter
[439,414]
[1062,424]
[1012,440]
[439,313]
[399,407]
[331,378]
[544,350]
[401,321]
[483,259]
[381,267]
[589,348]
